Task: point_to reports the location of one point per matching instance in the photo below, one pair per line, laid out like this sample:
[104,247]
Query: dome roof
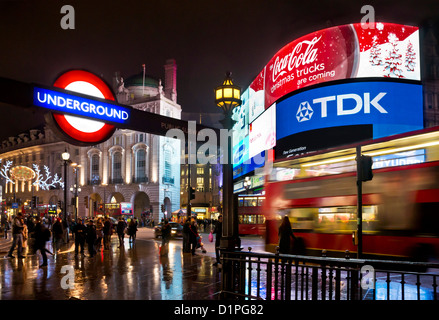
[137,80]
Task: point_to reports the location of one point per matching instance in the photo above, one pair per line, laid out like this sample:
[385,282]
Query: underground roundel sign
[77,130]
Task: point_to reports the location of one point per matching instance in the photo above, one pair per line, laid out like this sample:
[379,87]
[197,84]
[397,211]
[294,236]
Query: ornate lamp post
[65,157]
[76,188]
[227,97]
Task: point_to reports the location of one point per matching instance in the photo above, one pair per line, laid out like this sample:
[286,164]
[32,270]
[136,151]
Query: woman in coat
[132,230]
[285,236]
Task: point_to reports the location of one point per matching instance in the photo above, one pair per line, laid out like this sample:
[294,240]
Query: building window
[200,181]
[141,165]
[140,137]
[94,177]
[168,170]
[118,140]
[117,167]
[200,171]
[167,174]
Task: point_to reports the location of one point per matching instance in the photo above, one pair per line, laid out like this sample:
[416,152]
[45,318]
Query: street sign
[17,93]
[14,205]
[80,130]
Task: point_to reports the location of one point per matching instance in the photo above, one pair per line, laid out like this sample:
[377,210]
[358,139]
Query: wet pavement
[133,272]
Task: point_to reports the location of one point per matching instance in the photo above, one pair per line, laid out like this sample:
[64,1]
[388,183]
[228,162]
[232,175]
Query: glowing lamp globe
[228,95]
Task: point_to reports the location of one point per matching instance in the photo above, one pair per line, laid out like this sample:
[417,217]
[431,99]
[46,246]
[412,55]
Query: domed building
[132,172]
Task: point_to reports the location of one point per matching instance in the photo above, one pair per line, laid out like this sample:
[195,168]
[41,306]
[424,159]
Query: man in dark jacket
[91,237]
[58,235]
[107,233]
[186,230]
[193,236]
[120,228]
[219,233]
[80,231]
[40,240]
[17,236]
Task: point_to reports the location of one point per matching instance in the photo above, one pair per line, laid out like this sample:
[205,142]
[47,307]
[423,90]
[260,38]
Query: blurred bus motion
[400,204]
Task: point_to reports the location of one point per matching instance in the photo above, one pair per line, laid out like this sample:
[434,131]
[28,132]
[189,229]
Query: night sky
[206,38]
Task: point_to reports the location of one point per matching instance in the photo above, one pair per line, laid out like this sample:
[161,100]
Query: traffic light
[34,202]
[59,204]
[191,193]
[364,168]
[162,207]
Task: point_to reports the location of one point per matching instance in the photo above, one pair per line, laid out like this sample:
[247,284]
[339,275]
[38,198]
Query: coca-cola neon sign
[343,52]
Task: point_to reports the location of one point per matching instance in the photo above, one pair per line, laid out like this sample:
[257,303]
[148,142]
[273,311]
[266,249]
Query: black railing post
[269,279]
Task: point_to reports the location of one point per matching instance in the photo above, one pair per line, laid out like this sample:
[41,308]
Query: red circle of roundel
[86,137]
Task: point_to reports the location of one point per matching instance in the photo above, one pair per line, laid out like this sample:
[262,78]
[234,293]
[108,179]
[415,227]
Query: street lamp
[76,188]
[228,97]
[65,156]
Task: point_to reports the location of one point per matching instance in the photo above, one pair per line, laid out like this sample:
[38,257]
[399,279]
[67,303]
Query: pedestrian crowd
[35,232]
[95,234]
[192,240]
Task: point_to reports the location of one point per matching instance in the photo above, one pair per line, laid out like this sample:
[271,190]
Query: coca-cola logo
[303,53]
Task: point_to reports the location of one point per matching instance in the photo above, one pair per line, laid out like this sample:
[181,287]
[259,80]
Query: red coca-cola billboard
[343,52]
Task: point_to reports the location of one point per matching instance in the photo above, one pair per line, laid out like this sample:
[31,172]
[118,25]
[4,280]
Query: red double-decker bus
[250,215]
[400,204]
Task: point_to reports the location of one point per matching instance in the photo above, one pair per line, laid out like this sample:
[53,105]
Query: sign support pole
[359,205]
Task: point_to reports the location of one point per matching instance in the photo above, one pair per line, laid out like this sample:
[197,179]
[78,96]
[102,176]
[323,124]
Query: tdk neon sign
[390,107]
[305,112]
[64,102]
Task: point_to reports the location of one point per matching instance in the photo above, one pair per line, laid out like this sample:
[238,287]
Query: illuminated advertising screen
[256,96]
[241,130]
[126,208]
[263,132]
[346,113]
[343,52]
[342,113]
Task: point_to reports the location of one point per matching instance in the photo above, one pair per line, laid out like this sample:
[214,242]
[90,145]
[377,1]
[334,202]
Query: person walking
[80,232]
[218,231]
[166,232]
[5,225]
[41,235]
[91,238]
[186,231]
[108,230]
[58,235]
[120,228]
[193,234]
[166,236]
[99,234]
[285,236]
[17,236]
[132,230]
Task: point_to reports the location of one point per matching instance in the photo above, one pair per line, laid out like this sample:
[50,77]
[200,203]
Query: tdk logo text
[346,104]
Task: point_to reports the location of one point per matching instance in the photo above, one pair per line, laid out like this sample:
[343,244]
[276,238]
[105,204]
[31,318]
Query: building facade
[132,172]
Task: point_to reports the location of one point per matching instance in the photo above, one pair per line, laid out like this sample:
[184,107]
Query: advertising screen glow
[343,52]
[362,110]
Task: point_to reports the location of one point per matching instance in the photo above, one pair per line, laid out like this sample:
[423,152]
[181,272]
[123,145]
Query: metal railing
[266,276]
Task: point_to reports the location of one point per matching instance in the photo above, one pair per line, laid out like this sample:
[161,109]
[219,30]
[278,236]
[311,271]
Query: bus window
[261,201]
[302,218]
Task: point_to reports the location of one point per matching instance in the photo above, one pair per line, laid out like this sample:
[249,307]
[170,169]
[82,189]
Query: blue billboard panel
[249,165]
[331,115]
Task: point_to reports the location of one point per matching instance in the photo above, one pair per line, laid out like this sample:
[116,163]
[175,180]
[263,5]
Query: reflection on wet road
[134,272]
